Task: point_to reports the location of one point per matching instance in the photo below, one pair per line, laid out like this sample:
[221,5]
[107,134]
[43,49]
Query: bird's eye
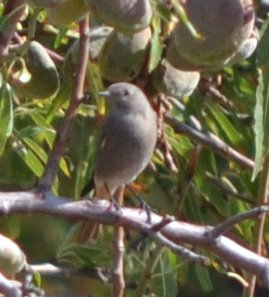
[127,93]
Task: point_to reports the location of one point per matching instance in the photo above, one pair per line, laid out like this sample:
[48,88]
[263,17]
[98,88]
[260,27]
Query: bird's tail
[91,230]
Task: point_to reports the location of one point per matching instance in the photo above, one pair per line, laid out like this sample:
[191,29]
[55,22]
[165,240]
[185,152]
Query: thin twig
[210,87]
[224,227]
[166,220]
[118,253]
[186,254]
[167,153]
[230,191]
[148,271]
[13,11]
[260,222]
[63,132]
[188,177]
[56,58]
[49,269]
[212,141]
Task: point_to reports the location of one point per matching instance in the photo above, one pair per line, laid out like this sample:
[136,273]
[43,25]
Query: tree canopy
[194,221]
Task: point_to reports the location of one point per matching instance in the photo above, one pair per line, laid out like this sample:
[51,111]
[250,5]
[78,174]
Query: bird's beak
[104,93]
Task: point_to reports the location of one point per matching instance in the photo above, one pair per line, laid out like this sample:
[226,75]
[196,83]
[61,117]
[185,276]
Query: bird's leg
[143,203]
[114,202]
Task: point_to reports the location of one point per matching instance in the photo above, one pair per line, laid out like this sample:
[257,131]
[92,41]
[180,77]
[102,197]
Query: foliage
[189,180]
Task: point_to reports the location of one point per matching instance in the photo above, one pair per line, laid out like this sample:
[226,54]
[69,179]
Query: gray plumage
[128,137]
[127,141]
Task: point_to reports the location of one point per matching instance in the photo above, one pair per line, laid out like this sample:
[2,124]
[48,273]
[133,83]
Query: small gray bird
[128,138]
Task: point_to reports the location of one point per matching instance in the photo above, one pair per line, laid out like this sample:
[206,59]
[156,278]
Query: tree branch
[211,141]
[118,253]
[13,12]
[51,270]
[63,132]
[177,232]
[9,287]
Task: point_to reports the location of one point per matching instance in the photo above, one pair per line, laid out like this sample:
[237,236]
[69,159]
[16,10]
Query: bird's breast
[128,143]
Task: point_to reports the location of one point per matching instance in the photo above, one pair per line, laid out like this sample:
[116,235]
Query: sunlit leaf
[204,278]
[38,150]
[30,159]
[261,127]
[6,116]
[232,134]
[156,45]
[95,86]
[49,137]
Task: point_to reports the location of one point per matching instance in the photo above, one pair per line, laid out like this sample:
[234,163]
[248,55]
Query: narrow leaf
[262,49]
[96,85]
[6,117]
[31,161]
[261,122]
[204,278]
[233,135]
[156,45]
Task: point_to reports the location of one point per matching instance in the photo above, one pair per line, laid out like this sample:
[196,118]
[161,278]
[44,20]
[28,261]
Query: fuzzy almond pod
[177,61]
[123,15]
[123,56]
[66,12]
[43,81]
[12,259]
[173,82]
[97,37]
[223,26]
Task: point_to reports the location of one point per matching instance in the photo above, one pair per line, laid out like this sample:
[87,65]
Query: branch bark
[13,12]
[63,132]
[211,141]
[177,232]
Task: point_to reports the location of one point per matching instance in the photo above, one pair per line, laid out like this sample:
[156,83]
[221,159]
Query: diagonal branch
[63,132]
[118,252]
[224,227]
[211,141]
[13,11]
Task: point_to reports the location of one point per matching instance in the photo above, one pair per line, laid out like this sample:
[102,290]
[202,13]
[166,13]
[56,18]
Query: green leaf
[37,279]
[204,278]
[96,85]
[31,161]
[181,13]
[42,123]
[163,11]
[6,117]
[261,115]
[258,126]
[60,36]
[86,164]
[38,150]
[156,45]
[82,256]
[233,135]
[61,98]
[165,283]
[262,49]
[49,137]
